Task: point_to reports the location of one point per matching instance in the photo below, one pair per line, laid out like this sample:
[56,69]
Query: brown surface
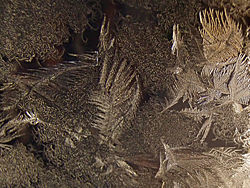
[65,149]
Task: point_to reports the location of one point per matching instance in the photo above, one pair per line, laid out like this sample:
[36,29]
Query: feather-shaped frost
[239,86]
[222,36]
[187,86]
[120,91]
[232,81]
[118,98]
[219,85]
[221,78]
[187,168]
[45,82]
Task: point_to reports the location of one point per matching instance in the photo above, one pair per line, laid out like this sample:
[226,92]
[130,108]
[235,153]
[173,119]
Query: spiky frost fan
[222,36]
[119,94]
